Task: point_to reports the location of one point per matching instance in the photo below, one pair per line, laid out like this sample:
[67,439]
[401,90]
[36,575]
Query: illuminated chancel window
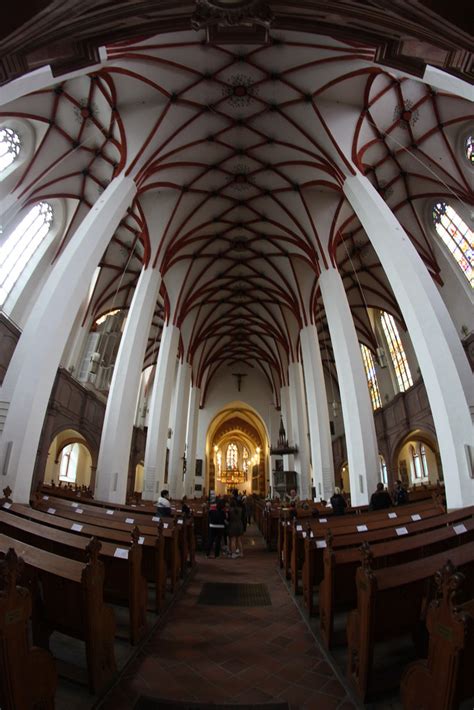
[231,457]
[470,149]
[457,236]
[219,462]
[397,352]
[369,365]
[10,147]
[245,459]
[68,462]
[22,243]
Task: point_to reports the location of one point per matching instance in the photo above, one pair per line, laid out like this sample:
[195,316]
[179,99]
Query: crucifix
[239,376]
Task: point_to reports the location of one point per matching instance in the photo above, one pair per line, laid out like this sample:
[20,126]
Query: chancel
[236,354]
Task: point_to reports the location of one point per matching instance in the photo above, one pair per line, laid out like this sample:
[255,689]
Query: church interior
[237,279]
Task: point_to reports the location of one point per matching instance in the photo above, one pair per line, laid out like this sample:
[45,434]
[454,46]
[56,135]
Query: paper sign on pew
[51,511]
[130,520]
[416,517]
[75,505]
[121,552]
[141,539]
[321,543]
[392,515]
[76,527]
[79,510]
[323,520]
[45,497]
[165,525]
[299,528]
[180,521]
[401,531]
[362,528]
[155,519]
[7,505]
[109,512]
[459,529]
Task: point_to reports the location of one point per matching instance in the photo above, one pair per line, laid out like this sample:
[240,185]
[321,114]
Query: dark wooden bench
[389,605]
[446,678]
[369,522]
[313,566]
[68,596]
[124,583]
[153,547]
[27,674]
[338,589]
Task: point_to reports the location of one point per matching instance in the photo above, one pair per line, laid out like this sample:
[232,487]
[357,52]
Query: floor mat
[232,594]
[146,703]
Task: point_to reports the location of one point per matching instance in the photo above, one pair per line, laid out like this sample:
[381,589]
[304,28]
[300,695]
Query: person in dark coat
[400,494]
[216,517]
[338,502]
[380,499]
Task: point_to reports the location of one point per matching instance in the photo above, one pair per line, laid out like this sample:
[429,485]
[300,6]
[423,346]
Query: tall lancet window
[369,365]
[245,459]
[231,457]
[10,146]
[22,243]
[397,351]
[457,236]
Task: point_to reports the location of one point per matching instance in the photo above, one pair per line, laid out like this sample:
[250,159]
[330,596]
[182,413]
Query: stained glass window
[470,149]
[397,352]
[10,147]
[457,236]
[231,457]
[369,365]
[22,244]
[245,459]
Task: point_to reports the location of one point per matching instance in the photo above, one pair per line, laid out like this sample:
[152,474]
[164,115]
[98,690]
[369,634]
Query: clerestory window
[10,146]
[397,351]
[369,366]
[457,236]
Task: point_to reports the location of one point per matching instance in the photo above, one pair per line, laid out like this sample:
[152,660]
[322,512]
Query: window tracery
[397,351]
[470,149]
[369,366]
[456,235]
[22,243]
[10,146]
[231,457]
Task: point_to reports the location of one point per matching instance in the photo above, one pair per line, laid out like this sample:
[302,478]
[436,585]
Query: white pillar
[183,387]
[443,363]
[318,415]
[158,420]
[288,459]
[191,440]
[359,427]
[114,453]
[300,428]
[30,376]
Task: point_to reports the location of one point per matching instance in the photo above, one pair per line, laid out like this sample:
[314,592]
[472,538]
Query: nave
[242,655]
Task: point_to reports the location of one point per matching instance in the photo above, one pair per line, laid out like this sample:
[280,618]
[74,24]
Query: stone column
[443,363]
[191,440]
[114,453]
[183,386]
[158,420]
[300,428]
[361,441]
[30,376]
[288,459]
[318,415]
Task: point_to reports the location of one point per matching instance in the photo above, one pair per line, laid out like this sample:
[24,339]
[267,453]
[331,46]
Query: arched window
[10,147]
[231,458]
[22,244]
[397,352]
[369,365]
[470,149]
[416,464]
[68,463]
[424,462]
[457,236]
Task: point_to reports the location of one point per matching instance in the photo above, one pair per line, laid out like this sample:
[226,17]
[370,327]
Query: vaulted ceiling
[240,151]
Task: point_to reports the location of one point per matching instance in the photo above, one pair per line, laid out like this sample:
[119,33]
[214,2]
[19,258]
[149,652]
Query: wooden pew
[338,588]
[124,583]
[27,674]
[446,678]
[68,597]
[369,522]
[389,605]
[153,555]
[313,566]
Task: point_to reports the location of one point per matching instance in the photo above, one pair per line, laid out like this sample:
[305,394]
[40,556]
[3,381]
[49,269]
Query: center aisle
[232,654]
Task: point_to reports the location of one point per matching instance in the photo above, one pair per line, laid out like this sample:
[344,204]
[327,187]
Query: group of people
[379,500]
[228,519]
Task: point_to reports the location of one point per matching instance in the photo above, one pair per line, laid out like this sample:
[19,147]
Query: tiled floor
[233,655]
